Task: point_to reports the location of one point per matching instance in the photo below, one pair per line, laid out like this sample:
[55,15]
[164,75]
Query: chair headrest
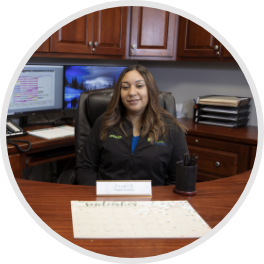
[97,104]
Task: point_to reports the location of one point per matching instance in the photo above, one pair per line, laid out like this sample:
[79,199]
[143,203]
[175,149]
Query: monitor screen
[39,88]
[78,79]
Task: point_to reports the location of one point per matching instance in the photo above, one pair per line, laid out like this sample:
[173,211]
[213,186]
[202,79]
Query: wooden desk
[20,160]
[234,149]
[51,202]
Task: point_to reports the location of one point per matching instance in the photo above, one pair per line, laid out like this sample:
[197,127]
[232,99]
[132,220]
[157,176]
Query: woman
[135,139]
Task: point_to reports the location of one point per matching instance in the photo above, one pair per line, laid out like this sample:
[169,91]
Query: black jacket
[112,159]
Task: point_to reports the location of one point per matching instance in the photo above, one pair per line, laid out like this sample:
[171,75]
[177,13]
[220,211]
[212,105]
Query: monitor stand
[63,121]
[22,121]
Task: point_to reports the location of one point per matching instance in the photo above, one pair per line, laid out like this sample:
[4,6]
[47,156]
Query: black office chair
[91,105]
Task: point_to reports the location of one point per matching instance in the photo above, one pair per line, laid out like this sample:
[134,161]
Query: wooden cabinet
[218,159]
[73,37]
[222,151]
[135,33]
[109,31]
[96,35]
[45,46]
[37,154]
[226,55]
[101,32]
[152,34]
[196,43]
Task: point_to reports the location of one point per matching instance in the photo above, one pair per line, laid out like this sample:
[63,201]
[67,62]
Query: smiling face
[134,93]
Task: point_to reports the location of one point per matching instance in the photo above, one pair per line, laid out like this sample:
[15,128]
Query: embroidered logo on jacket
[117,137]
[158,142]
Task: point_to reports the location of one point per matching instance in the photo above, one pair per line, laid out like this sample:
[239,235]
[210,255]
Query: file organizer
[218,115]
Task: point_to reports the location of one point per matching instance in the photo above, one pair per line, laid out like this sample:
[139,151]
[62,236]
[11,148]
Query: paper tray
[224,109]
[224,117]
[222,123]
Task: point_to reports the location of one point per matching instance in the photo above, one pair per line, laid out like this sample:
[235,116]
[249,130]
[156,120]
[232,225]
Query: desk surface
[38,143]
[51,202]
[244,135]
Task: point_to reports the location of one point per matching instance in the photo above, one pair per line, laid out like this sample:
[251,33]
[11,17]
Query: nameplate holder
[123,188]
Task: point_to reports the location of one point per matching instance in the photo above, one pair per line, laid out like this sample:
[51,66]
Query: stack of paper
[232,101]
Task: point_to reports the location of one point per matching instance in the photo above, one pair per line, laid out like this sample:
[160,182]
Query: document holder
[221,122]
[186,180]
[218,114]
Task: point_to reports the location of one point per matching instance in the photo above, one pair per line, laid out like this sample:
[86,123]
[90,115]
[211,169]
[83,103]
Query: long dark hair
[152,124]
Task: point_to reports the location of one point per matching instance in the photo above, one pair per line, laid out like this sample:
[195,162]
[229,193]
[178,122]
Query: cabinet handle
[90,43]
[215,47]
[93,49]
[196,140]
[95,44]
[217,53]
[131,52]
[133,46]
[217,164]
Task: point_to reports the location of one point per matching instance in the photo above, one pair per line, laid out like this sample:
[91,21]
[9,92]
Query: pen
[185,159]
[191,160]
[194,161]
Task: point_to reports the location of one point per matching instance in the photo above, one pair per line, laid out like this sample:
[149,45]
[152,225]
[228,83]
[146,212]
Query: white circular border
[236,206]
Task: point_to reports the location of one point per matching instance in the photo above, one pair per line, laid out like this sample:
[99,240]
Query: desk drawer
[212,143]
[215,150]
[214,161]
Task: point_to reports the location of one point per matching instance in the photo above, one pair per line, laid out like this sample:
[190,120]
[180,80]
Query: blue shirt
[134,143]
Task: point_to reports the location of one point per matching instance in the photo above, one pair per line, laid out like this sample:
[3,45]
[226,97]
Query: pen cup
[186,180]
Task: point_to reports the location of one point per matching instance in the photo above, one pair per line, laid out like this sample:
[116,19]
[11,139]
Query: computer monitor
[39,89]
[78,79]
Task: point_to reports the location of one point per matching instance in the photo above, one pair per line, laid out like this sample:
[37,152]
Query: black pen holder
[186,180]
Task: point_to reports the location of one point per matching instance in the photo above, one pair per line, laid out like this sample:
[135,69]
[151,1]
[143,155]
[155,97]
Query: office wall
[186,80]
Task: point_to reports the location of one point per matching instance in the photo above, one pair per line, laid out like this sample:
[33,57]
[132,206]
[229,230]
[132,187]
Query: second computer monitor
[39,89]
[78,79]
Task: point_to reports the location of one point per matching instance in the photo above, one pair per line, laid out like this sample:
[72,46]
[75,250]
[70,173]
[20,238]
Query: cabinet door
[109,31]
[195,41]
[45,46]
[218,158]
[226,54]
[74,37]
[217,162]
[152,32]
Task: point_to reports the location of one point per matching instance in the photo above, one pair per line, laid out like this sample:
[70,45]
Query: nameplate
[123,188]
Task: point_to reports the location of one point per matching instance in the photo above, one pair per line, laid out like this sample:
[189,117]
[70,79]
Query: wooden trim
[252,156]
[76,56]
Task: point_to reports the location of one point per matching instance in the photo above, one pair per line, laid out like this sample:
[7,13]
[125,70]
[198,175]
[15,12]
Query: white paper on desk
[68,128]
[53,132]
[136,219]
